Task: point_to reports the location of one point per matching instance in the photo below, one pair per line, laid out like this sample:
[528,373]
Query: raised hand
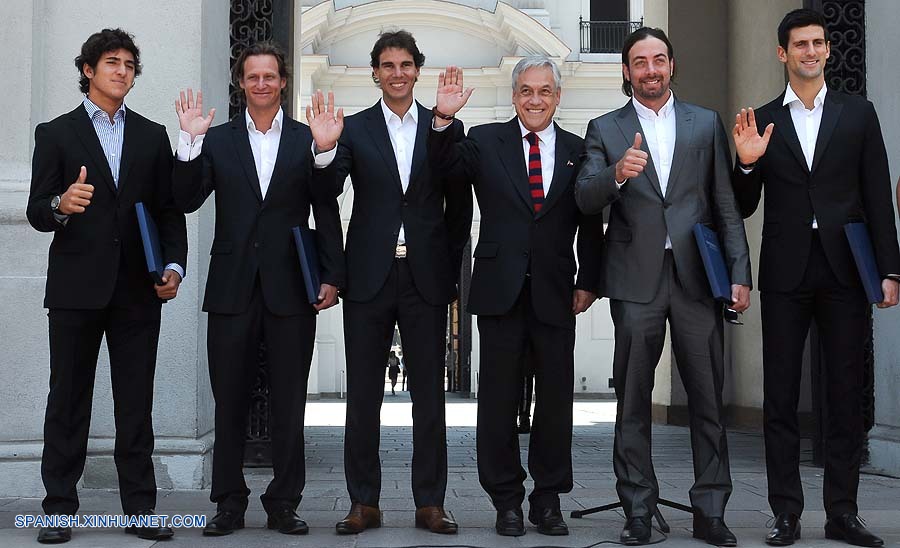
[78,196]
[750,145]
[190,113]
[325,125]
[451,95]
[633,162]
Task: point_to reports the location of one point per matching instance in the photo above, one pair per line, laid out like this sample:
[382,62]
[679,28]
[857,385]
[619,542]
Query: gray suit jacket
[698,191]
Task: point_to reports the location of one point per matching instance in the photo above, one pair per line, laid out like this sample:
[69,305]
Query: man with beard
[821,157]
[662,166]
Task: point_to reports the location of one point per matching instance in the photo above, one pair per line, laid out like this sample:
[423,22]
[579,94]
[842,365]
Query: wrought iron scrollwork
[251,21]
[846,70]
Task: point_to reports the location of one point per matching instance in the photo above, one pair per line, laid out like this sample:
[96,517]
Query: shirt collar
[546,135]
[93,109]
[413,113]
[791,97]
[649,114]
[277,123]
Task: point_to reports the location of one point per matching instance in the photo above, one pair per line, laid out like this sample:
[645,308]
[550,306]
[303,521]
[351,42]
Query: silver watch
[54,204]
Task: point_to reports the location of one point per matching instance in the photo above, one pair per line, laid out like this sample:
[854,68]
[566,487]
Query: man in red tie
[524,286]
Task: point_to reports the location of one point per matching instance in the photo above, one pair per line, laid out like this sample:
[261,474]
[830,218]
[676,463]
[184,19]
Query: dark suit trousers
[368,331]
[504,343]
[697,343]
[841,315]
[233,349]
[132,335]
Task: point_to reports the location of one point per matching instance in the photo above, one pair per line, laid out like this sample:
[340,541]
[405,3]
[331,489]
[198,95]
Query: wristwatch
[54,203]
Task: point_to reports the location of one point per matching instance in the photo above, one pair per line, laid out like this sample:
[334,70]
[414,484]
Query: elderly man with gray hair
[524,290]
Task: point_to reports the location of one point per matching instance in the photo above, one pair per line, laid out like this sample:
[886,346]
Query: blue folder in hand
[864,255]
[308,253]
[150,238]
[713,262]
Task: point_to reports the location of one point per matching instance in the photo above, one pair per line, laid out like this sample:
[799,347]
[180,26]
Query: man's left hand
[327,297]
[582,300]
[169,288]
[740,297]
[891,289]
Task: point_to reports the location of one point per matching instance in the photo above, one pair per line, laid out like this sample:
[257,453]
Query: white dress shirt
[806,123]
[402,131]
[547,145]
[659,134]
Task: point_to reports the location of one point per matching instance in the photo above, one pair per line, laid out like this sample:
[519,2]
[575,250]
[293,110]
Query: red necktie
[535,179]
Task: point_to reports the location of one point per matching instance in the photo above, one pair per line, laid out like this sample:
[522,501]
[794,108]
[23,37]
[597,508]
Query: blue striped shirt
[111,134]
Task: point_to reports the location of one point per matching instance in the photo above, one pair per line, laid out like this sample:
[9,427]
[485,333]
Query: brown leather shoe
[435,520]
[360,518]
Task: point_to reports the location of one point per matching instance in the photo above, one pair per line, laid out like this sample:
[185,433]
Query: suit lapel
[419,151]
[286,143]
[245,153]
[512,156]
[84,128]
[831,111]
[378,129]
[563,165]
[628,123]
[684,135]
[130,143]
[784,124]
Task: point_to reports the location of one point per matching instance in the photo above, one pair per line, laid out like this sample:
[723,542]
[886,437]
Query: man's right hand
[190,114]
[748,143]
[451,96]
[633,163]
[78,196]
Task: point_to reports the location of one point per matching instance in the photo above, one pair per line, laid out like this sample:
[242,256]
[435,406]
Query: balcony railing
[606,36]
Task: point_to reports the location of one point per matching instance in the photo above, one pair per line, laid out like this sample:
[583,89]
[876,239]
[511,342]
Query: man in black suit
[403,250]
[262,168]
[90,167]
[661,166]
[822,160]
[524,286]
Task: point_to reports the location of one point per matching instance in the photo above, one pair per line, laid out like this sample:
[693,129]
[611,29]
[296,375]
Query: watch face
[54,203]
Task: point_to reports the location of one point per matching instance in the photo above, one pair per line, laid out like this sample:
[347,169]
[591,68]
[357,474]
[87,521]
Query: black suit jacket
[436,216]
[86,253]
[253,235]
[849,181]
[513,240]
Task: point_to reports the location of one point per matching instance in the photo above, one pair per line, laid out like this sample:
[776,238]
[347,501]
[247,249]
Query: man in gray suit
[662,165]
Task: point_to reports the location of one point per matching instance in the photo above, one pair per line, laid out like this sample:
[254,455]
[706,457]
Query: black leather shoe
[785,531]
[851,530]
[287,522]
[713,531]
[510,523]
[223,523]
[636,531]
[150,533]
[54,535]
[549,521]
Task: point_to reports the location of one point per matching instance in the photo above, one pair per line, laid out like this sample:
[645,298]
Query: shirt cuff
[323,159]
[176,268]
[60,218]
[620,185]
[187,150]
[746,171]
[439,129]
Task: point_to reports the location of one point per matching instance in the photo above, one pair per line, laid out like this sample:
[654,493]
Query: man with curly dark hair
[90,168]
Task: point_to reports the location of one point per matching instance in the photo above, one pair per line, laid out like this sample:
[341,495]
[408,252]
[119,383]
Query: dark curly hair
[265,47]
[642,34]
[102,42]
[399,39]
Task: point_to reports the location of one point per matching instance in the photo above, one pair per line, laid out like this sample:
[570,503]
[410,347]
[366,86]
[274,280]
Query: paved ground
[325,499]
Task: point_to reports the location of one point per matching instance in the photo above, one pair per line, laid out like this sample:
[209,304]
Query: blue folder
[713,262]
[150,238]
[864,255]
[308,253]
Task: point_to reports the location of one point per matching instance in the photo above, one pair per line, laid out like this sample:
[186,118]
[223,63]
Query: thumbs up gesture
[78,196]
[633,163]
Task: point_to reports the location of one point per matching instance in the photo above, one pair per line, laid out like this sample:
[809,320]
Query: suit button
[524,253]
[666,205]
[255,244]
[116,241]
[405,203]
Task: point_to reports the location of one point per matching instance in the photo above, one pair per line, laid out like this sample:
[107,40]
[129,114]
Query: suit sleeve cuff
[323,159]
[188,150]
[175,267]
